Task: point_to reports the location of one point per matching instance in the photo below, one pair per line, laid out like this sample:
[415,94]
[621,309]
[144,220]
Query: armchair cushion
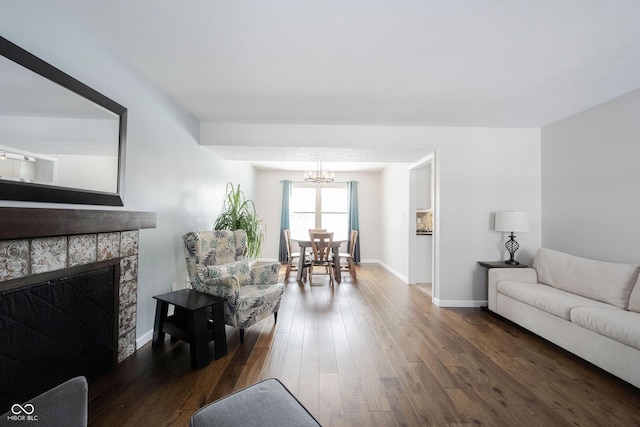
[256,302]
[264,274]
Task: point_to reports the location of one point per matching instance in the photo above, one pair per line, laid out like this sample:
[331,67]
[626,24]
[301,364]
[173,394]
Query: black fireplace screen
[54,331]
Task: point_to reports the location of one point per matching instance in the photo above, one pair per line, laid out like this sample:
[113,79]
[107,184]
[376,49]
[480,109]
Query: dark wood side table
[494,264]
[190,323]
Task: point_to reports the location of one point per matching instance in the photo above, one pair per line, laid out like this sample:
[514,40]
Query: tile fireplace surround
[37,245]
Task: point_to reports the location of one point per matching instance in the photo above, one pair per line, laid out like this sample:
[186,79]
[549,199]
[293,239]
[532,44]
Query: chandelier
[318,175]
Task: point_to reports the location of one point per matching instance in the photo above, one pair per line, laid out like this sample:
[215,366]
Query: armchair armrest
[215,281]
[225,287]
[495,275]
[265,274]
[216,276]
[229,292]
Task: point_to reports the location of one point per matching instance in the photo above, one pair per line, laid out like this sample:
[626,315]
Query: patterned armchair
[216,265]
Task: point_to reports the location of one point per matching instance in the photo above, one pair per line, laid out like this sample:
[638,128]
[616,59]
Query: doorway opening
[423,236]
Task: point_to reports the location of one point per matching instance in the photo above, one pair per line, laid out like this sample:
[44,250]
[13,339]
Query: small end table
[190,323]
[499,264]
[495,264]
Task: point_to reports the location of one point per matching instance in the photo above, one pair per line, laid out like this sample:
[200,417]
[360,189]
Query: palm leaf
[238,213]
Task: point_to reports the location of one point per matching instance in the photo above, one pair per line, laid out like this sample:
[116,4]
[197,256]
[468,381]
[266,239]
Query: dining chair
[321,254]
[350,265]
[317,230]
[292,257]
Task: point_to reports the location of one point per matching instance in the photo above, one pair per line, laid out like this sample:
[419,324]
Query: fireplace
[57,261]
[56,330]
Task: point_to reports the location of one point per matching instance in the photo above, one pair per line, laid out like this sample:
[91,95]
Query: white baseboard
[459,303]
[144,339]
[394,272]
[437,301]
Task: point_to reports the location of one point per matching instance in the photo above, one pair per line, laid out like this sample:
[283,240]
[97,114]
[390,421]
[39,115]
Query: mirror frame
[31,192]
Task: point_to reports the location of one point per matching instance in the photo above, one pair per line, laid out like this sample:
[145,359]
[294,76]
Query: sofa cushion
[603,281]
[634,299]
[620,325]
[546,298]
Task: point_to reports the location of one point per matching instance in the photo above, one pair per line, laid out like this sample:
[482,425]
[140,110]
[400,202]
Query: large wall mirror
[60,140]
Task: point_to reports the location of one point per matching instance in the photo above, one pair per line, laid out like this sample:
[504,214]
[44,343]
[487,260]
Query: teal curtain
[354,222]
[284,219]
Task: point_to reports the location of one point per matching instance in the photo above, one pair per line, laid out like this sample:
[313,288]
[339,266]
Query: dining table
[305,242]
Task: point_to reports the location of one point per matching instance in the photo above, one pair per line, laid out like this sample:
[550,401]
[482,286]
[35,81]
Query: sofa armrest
[495,275]
[265,274]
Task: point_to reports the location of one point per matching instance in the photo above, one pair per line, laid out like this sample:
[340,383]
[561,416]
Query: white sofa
[590,308]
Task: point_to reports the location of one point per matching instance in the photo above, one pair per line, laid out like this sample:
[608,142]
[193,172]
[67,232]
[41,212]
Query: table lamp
[512,221]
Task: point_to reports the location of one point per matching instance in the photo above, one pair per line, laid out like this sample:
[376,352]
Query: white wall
[423,186]
[490,172]
[243,174]
[167,171]
[269,201]
[591,182]
[482,171]
[396,219]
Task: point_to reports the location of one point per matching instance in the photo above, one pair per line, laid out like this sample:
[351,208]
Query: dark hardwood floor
[375,352]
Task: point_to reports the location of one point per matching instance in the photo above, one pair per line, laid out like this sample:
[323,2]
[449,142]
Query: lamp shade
[512,221]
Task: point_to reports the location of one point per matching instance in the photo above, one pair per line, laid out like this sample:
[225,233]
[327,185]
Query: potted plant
[238,213]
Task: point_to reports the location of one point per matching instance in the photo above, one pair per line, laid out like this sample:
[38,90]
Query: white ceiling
[491,63]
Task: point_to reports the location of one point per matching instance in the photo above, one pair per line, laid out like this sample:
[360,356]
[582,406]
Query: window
[319,206]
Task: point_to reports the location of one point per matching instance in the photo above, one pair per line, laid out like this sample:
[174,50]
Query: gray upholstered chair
[63,405]
[265,404]
[216,265]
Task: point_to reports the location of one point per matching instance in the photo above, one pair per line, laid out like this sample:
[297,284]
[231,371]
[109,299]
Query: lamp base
[512,246]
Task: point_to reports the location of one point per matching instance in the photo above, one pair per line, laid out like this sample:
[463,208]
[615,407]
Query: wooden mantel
[19,223]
